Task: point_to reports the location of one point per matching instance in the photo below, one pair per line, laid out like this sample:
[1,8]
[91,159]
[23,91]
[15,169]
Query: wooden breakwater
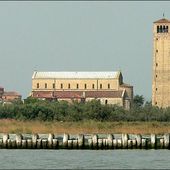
[86,141]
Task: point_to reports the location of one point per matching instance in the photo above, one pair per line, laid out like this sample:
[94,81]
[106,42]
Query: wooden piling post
[166,138]
[70,144]
[139,140]
[65,140]
[24,144]
[134,144]
[90,143]
[109,141]
[143,144]
[55,144]
[75,144]
[18,140]
[1,144]
[50,140]
[39,143]
[153,141]
[4,139]
[9,144]
[95,140]
[34,140]
[80,141]
[125,138]
[114,143]
[29,144]
[162,143]
[44,143]
[13,144]
[100,143]
[104,143]
[130,144]
[119,143]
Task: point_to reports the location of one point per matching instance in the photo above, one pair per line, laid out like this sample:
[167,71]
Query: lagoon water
[84,159]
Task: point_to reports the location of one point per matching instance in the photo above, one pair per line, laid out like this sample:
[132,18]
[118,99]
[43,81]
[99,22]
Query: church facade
[108,87]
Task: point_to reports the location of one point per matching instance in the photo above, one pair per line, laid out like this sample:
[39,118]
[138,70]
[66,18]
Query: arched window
[160,30]
[108,86]
[166,28]
[92,86]
[85,86]
[100,86]
[61,86]
[157,29]
[106,101]
[53,85]
[38,85]
[77,86]
[45,85]
[69,86]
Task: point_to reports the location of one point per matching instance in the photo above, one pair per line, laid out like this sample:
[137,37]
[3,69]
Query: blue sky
[78,36]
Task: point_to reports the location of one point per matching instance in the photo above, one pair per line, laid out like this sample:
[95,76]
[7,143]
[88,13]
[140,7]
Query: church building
[108,87]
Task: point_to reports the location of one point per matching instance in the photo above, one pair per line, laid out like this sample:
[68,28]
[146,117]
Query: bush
[33,109]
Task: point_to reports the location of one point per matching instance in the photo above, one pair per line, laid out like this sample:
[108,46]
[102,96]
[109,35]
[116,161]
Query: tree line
[34,109]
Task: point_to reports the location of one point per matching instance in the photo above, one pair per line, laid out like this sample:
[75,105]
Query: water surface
[84,159]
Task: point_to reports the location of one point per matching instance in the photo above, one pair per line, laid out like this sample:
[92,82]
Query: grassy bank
[14,126]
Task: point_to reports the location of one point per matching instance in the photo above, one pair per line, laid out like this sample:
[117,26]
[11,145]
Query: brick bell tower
[161,63]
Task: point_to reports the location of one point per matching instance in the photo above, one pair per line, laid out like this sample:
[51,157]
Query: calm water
[84,159]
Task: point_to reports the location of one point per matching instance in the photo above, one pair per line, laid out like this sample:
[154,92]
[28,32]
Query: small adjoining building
[108,87]
[9,96]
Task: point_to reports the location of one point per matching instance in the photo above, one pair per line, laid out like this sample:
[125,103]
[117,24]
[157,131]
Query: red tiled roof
[11,93]
[163,20]
[78,94]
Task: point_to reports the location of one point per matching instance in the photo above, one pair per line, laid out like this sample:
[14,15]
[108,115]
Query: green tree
[138,100]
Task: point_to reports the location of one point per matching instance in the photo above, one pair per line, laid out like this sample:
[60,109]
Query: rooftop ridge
[163,20]
[75,74]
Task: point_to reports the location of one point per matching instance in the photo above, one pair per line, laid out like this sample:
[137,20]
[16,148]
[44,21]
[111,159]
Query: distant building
[108,87]
[9,96]
[161,63]
[1,91]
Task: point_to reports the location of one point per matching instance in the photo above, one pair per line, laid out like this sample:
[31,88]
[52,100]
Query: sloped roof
[11,93]
[163,20]
[104,74]
[126,85]
[78,94]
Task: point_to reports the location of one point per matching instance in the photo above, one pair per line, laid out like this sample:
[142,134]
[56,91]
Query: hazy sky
[77,36]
